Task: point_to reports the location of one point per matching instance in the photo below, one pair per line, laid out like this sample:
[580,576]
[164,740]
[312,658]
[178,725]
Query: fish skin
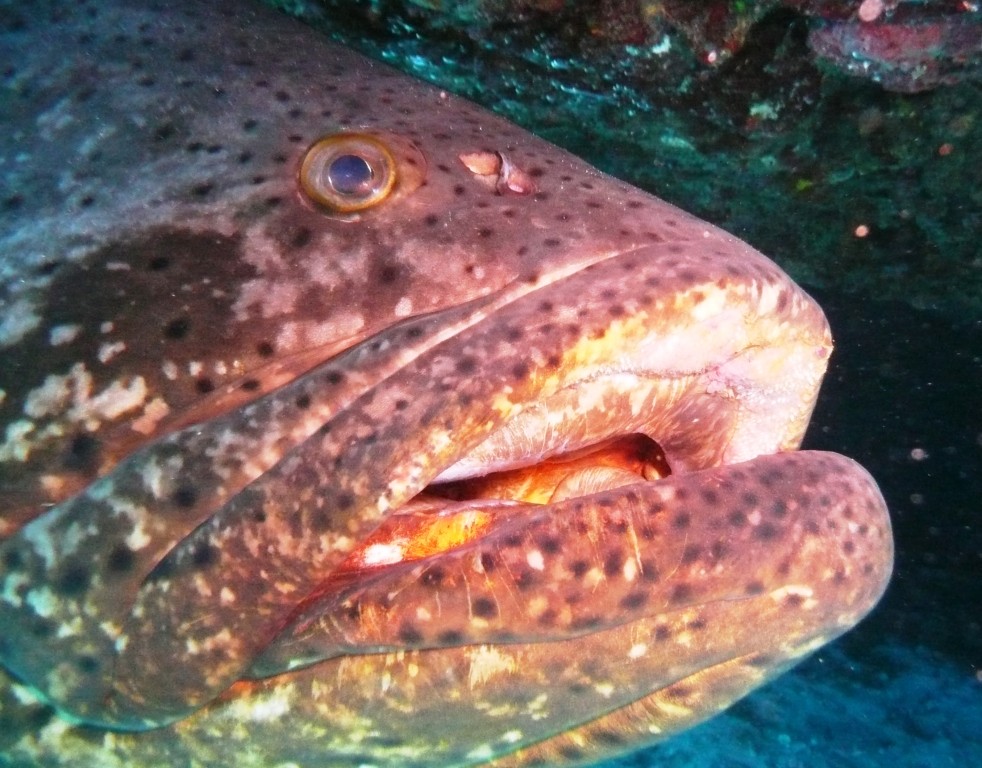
[248,375]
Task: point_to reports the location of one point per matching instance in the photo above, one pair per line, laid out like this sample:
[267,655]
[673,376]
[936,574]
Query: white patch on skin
[147,423]
[512,737]
[226,596]
[798,590]
[195,368]
[107,327]
[488,662]
[170,370]
[11,588]
[404,307]
[109,350]
[535,560]
[18,321]
[138,537]
[604,689]
[638,650]
[43,601]
[63,334]
[383,554]
[15,447]
[52,396]
[261,709]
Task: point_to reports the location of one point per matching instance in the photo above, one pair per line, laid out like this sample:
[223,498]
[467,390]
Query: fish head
[325,391]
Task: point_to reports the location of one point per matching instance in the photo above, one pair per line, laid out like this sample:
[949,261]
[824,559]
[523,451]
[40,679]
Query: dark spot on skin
[259,516]
[409,635]
[719,550]
[793,601]
[691,553]
[387,274]
[583,623]
[611,738]
[164,131]
[72,580]
[251,385]
[766,531]
[485,232]
[697,624]
[779,509]
[634,601]
[570,752]
[488,562]
[552,242]
[303,402]
[185,496]
[334,377]
[204,555]
[401,404]
[121,559]
[159,263]
[681,521]
[433,577]
[848,547]
[48,269]
[301,237]
[681,593]
[709,496]
[737,519]
[485,608]
[520,371]
[549,544]
[344,501]
[177,329]
[202,190]
[431,220]
[466,365]
[750,499]
[662,633]
[450,637]
[83,453]
[613,563]
[87,665]
[579,568]
[547,618]
[204,385]
[12,559]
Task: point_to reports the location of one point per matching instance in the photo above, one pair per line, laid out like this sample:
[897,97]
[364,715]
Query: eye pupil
[351,175]
[344,173]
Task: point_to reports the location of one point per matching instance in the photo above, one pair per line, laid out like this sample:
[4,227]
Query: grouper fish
[346,424]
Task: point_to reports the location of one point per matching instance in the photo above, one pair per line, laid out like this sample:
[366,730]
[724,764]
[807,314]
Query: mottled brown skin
[240,428]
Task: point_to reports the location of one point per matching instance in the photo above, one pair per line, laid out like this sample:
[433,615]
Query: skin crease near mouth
[345,423]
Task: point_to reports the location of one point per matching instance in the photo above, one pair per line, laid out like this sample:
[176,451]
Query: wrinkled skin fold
[496,464]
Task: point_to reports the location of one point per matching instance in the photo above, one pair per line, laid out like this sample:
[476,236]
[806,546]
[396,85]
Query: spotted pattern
[229,416]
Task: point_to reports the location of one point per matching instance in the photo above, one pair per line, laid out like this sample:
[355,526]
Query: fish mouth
[607,450]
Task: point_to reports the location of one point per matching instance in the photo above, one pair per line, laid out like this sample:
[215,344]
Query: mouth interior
[607,464]
[450,514]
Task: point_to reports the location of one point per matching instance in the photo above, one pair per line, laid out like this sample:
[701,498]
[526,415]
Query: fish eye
[348,172]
